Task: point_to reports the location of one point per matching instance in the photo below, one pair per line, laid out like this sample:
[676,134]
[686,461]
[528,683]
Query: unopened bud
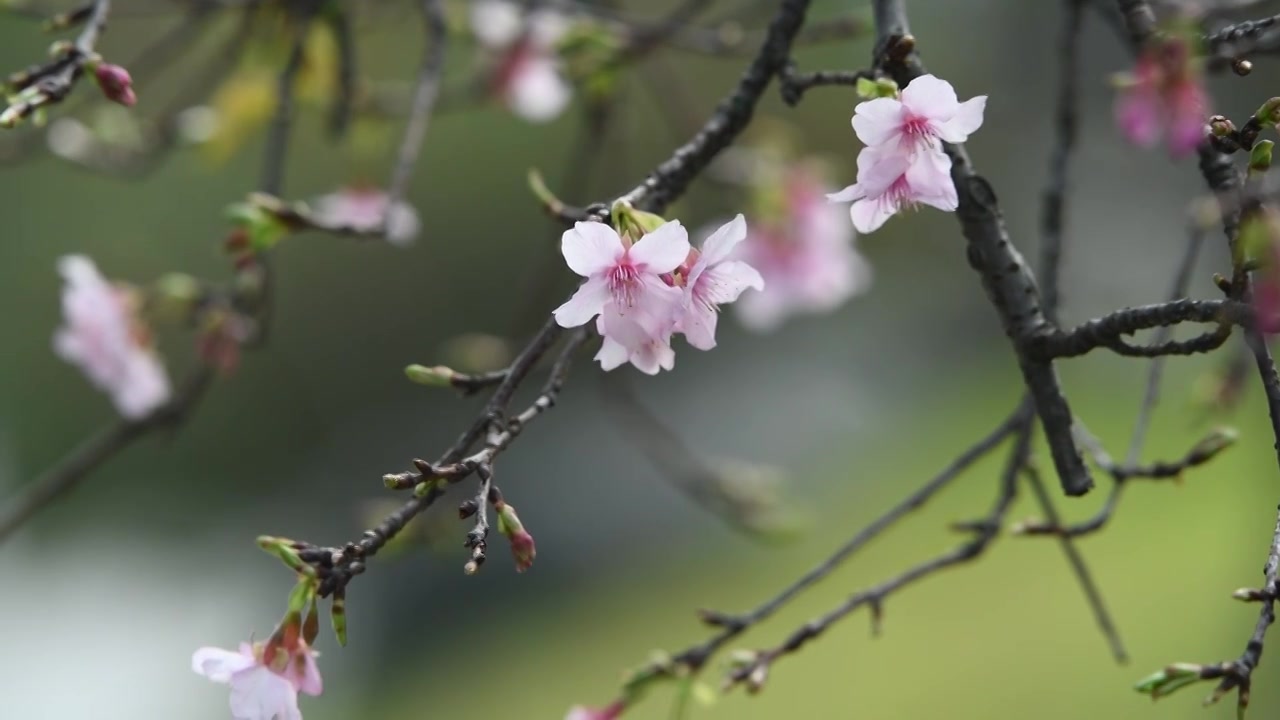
[116,84]
[1221,126]
[467,508]
[522,545]
[438,376]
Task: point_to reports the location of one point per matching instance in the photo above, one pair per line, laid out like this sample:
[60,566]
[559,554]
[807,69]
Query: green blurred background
[106,595]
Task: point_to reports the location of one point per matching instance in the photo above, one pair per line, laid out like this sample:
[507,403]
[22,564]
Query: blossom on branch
[903,163]
[625,288]
[805,253]
[715,280]
[527,72]
[365,209]
[104,336]
[1164,96]
[262,690]
[641,294]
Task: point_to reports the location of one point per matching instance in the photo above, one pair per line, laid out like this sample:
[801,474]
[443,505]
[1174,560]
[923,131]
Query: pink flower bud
[522,546]
[116,84]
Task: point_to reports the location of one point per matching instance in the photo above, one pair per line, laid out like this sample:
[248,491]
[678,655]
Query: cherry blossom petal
[1138,111]
[612,354]
[724,282]
[219,665]
[880,167]
[868,214]
[849,194]
[496,23]
[699,325]
[259,694]
[547,27]
[878,121]
[590,248]
[930,97]
[662,250]
[585,304]
[537,91]
[305,674]
[967,119]
[145,387]
[1187,119]
[722,242]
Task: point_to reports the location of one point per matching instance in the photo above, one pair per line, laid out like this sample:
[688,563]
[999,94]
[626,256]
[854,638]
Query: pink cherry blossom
[927,112]
[103,335]
[527,73]
[890,181]
[625,288]
[806,257]
[365,209]
[116,84]
[715,280]
[628,276]
[612,712]
[1164,96]
[260,691]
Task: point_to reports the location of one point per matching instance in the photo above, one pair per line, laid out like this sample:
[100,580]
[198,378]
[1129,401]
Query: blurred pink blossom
[103,335]
[365,209]
[806,256]
[116,84]
[1164,96]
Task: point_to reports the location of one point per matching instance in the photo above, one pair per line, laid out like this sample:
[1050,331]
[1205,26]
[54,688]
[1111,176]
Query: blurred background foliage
[105,596]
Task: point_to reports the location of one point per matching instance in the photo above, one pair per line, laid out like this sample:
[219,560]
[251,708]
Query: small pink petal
[966,121]
[722,242]
[219,665]
[930,97]
[590,248]
[585,304]
[878,121]
[662,250]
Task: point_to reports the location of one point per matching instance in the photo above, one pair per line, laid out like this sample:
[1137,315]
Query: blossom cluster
[903,163]
[527,73]
[642,293]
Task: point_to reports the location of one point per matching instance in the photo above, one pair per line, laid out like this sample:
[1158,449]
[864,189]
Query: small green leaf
[338,614]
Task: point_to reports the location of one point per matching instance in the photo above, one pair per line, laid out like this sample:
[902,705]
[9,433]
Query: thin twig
[1093,595]
[696,656]
[424,98]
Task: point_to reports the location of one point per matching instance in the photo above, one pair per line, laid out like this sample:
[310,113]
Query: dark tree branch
[670,179]
[1053,207]
[795,84]
[1107,331]
[1008,282]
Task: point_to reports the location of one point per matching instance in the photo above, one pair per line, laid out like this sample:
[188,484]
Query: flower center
[624,283]
[916,127]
